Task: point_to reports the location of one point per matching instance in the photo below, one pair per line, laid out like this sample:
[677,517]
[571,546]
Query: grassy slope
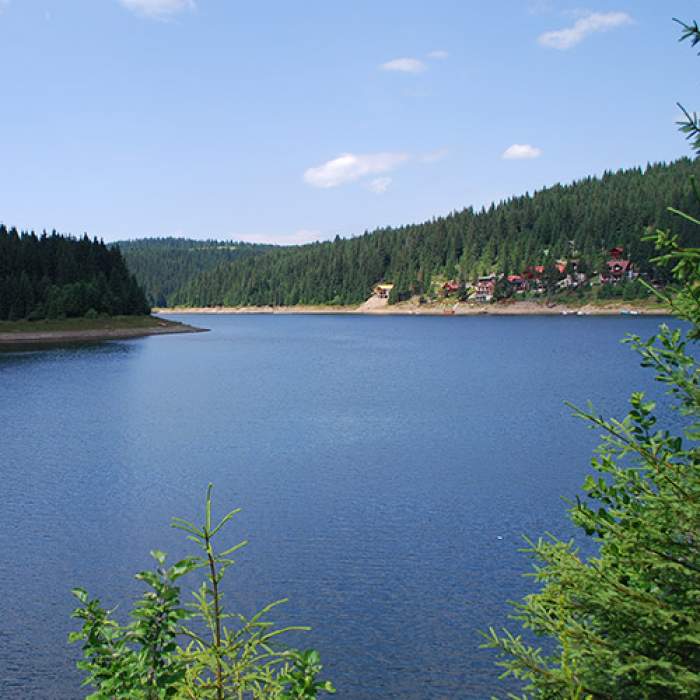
[83,324]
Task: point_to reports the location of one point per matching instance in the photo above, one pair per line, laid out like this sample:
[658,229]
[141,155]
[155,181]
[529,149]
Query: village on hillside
[534,280]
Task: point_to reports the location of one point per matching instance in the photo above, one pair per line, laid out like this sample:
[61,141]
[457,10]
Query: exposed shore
[87,330]
[413,308]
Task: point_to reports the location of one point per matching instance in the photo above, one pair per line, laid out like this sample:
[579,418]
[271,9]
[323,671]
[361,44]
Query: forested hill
[586,217]
[54,276]
[164,265]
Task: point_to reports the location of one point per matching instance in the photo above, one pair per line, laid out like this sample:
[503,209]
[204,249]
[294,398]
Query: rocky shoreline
[413,308]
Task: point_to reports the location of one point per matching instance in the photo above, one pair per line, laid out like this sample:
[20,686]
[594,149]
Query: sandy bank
[413,308]
[74,335]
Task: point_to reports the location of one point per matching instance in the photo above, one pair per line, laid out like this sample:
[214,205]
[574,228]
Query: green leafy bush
[624,624]
[174,650]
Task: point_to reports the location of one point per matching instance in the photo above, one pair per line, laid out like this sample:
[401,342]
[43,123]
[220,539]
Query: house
[532,275]
[484,288]
[573,278]
[383,290]
[518,282]
[617,268]
[450,287]
[533,272]
[571,281]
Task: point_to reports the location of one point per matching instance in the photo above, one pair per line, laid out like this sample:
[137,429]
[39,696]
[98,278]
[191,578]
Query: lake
[386,466]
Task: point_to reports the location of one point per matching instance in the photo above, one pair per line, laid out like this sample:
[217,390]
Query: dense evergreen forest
[164,265]
[55,276]
[581,220]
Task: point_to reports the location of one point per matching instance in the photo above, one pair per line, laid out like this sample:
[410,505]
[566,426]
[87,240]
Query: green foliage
[624,623]
[502,290]
[690,126]
[172,650]
[62,277]
[164,265]
[585,218]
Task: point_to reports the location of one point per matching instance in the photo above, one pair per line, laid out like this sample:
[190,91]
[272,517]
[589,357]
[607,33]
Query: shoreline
[411,308]
[36,336]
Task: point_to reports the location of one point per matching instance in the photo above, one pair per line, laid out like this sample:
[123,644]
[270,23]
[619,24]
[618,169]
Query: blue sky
[291,121]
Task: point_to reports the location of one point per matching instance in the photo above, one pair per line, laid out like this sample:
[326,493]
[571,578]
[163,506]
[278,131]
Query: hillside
[584,218]
[164,265]
[56,276]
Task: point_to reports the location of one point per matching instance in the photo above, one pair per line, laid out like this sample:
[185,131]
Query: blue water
[378,462]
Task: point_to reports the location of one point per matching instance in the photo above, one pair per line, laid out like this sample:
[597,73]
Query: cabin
[383,290]
[533,272]
[532,275]
[484,288]
[450,287]
[617,268]
[571,279]
[518,282]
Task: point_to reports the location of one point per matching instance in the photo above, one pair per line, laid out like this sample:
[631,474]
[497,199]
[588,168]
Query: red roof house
[518,282]
[451,287]
[617,268]
[533,272]
[484,288]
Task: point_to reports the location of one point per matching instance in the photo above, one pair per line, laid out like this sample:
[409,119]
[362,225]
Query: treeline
[164,265]
[55,276]
[583,219]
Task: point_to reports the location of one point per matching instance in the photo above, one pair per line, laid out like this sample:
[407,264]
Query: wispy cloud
[404,65]
[4,4]
[521,151]
[435,156]
[350,167]
[379,185]
[588,24]
[298,237]
[158,9]
[439,55]
[303,235]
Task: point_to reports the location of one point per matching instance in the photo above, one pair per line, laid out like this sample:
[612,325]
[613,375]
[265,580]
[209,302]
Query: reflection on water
[379,462]
[50,352]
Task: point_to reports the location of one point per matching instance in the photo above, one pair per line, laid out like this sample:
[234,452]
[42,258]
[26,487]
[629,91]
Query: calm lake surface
[386,467]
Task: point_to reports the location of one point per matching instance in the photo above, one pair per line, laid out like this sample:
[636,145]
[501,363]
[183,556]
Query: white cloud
[521,151]
[4,4]
[404,65]
[298,237]
[379,185]
[350,167]
[589,24]
[301,236]
[438,55]
[158,9]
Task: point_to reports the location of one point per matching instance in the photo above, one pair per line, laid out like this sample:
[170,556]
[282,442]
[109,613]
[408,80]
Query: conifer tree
[624,623]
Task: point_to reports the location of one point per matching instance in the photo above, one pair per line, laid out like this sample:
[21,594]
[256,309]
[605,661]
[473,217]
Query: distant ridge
[584,219]
[164,265]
